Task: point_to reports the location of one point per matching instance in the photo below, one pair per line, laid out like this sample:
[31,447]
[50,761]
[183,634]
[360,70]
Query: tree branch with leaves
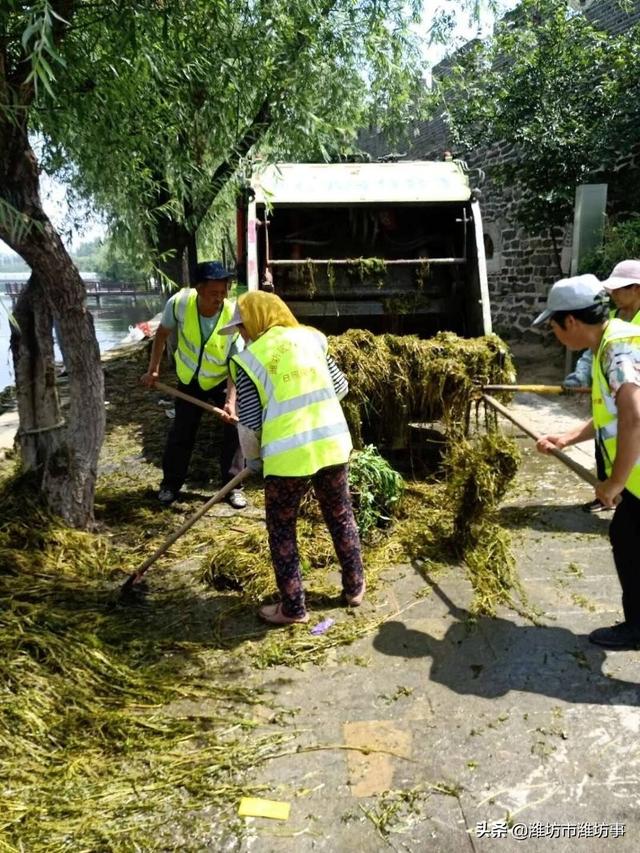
[563,92]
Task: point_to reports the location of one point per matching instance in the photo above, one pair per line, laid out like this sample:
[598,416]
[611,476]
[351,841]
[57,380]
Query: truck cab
[390,247]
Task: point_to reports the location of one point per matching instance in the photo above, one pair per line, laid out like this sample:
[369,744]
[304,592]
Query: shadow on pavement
[490,656]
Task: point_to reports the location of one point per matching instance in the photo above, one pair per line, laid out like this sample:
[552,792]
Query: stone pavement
[442,733]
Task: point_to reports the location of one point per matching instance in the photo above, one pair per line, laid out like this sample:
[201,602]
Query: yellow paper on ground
[256,807]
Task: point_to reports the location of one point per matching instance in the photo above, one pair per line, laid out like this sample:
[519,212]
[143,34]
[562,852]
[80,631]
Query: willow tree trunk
[36,391]
[175,246]
[63,451]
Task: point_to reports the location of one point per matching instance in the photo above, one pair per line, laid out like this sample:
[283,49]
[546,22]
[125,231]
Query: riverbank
[112,320]
[9,424]
[129,345]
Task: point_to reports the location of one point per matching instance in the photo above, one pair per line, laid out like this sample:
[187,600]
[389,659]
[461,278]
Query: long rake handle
[576,467]
[174,392]
[136,576]
[538,389]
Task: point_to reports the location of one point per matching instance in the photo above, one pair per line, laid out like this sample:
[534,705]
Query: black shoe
[625,635]
[166,496]
[594,506]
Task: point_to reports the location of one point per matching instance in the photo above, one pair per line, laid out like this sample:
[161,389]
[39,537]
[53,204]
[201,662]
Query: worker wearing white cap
[623,286]
[578,313]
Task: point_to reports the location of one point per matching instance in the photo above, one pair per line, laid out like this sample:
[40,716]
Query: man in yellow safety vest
[578,313]
[624,290]
[202,364]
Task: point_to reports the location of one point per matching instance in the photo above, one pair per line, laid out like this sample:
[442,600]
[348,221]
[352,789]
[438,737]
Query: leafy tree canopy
[621,241]
[564,93]
[157,103]
[148,107]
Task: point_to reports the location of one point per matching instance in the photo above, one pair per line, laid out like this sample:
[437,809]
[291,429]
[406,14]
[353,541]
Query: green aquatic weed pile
[394,380]
[239,564]
[455,520]
[479,474]
[122,729]
[125,728]
[376,492]
[376,489]
[97,750]
[445,521]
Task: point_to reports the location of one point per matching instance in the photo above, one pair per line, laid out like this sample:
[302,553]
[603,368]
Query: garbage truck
[390,247]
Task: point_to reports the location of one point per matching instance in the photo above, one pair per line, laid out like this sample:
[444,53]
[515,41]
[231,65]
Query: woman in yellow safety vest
[293,428]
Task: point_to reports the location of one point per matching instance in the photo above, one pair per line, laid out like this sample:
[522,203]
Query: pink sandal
[356,600]
[274,615]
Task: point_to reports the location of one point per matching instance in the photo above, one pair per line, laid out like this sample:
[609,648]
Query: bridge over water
[95,288]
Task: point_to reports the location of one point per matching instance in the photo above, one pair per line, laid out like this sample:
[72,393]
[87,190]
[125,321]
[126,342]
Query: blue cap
[212,271]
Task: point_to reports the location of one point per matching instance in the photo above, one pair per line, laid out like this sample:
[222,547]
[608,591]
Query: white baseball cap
[232,326]
[571,294]
[623,274]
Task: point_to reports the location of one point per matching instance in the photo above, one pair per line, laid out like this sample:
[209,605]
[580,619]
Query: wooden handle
[173,392]
[538,389]
[133,579]
[576,467]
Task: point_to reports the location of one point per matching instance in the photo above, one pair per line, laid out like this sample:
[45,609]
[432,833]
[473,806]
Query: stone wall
[615,16]
[520,265]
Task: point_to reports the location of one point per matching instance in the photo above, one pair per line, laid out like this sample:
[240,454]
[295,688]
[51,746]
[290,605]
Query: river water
[112,319]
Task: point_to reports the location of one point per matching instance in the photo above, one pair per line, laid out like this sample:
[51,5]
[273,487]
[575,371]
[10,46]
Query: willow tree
[59,446]
[153,137]
[150,107]
[62,450]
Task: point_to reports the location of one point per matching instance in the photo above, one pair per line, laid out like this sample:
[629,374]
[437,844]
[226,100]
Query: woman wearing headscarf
[291,426]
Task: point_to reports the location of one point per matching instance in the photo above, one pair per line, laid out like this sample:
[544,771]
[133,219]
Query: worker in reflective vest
[292,427]
[625,295]
[202,364]
[577,311]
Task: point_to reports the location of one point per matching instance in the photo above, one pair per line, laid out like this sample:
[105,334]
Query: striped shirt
[248,400]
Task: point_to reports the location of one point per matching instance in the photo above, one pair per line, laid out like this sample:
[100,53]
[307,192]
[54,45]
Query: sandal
[356,600]
[274,615]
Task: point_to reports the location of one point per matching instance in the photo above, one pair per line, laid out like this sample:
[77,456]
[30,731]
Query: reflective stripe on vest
[605,414]
[281,445]
[303,427]
[208,359]
[251,364]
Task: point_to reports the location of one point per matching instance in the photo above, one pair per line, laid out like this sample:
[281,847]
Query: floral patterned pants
[282,501]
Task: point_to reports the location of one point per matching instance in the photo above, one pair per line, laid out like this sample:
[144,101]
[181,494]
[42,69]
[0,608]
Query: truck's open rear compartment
[402,268]
[385,247]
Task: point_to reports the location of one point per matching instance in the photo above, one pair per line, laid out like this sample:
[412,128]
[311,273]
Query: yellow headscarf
[261,311]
